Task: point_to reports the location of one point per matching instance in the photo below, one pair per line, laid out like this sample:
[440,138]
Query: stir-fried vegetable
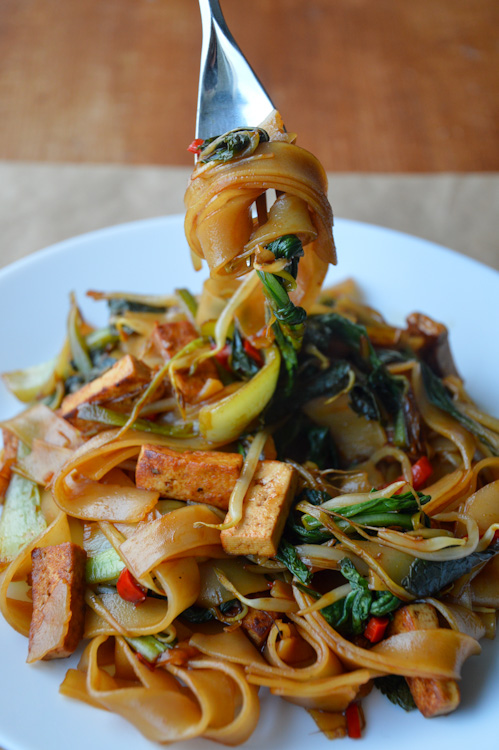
[440,397]
[22,519]
[236,143]
[428,578]
[287,554]
[349,615]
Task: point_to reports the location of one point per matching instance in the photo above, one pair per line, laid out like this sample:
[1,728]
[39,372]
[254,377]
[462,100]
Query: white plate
[399,274]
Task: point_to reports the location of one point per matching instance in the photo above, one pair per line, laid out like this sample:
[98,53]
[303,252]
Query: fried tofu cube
[199,476]
[432,697]
[128,377]
[414,617]
[256,624]
[170,338]
[265,510]
[58,580]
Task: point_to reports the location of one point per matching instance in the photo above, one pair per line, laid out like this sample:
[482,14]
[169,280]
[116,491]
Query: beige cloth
[43,203]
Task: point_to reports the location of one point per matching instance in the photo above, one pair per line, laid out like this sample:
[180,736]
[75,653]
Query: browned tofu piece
[58,579]
[266,507]
[168,339]
[432,697]
[257,624]
[199,476]
[431,339]
[128,377]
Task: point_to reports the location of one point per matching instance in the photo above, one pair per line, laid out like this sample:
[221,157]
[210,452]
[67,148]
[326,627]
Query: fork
[230,94]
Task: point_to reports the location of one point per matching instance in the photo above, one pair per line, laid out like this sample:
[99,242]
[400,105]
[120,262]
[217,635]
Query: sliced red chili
[354,721]
[252,352]
[146,663]
[129,589]
[195,146]
[223,357]
[375,628]
[421,472]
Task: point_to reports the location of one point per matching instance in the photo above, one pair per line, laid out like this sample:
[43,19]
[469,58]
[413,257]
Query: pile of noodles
[208,685]
[220,227]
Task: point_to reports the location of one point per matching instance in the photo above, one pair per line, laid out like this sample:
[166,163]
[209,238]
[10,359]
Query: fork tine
[230,94]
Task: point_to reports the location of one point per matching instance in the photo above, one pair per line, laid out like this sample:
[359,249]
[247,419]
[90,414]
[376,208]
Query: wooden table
[369,85]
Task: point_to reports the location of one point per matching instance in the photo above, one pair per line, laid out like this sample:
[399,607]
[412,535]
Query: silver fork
[230,94]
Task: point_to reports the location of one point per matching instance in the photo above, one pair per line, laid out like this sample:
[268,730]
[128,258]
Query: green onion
[101,337]
[77,343]
[188,300]
[93,413]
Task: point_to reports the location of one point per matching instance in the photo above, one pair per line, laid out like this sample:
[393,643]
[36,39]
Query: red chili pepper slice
[223,357]
[375,628]
[195,146]
[354,723]
[151,667]
[252,352]
[421,472]
[129,589]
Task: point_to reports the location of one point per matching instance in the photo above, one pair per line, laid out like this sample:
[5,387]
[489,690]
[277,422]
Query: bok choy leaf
[22,519]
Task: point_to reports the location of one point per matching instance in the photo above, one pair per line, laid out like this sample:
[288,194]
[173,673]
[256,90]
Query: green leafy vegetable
[103,567]
[428,578]
[326,331]
[321,448]
[396,510]
[290,247]
[21,519]
[300,534]
[100,339]
[396,690]
[238,142]
[363,402]
[196,614]
[329,383]
[288,556]
[388,388]
[299,438]
[390,356]
[349,615]
[188,300]
[439,396]
[241,363]
[289,326]
[121,305]
[405,502]
[314,497]
[148,646]
[296,532]
[94,413]
[80,355]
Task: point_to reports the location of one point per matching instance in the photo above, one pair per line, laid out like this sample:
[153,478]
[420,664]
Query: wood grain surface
[381,85]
